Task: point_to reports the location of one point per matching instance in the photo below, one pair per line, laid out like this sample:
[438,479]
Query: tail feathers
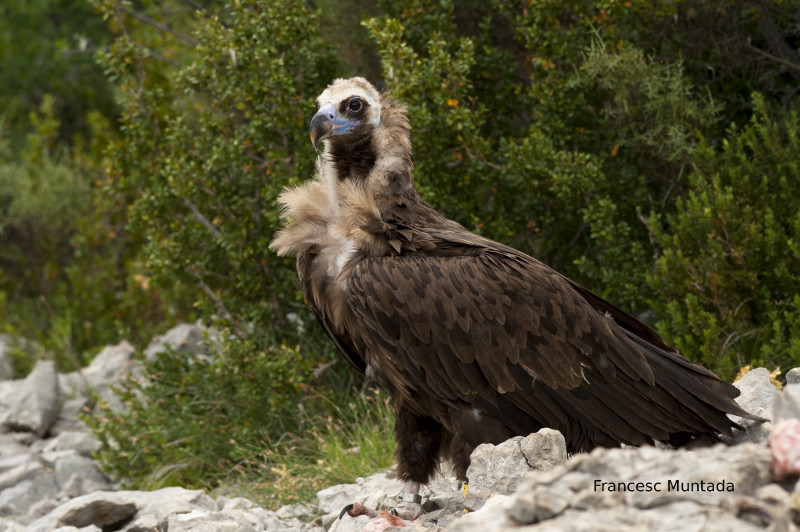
[695,392]
[686,401]
[696,379]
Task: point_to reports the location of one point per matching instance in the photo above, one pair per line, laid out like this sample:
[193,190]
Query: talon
[345,510]
[356,509]
[393,511]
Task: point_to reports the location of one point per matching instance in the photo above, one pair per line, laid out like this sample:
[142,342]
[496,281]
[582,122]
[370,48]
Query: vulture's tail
[685,402]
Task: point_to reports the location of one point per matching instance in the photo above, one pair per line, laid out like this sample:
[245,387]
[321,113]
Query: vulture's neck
[362,200]
[379,165]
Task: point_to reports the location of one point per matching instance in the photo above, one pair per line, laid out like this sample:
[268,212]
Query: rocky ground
[49,481]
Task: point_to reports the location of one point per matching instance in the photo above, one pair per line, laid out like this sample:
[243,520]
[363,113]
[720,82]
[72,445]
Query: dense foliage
[648,150]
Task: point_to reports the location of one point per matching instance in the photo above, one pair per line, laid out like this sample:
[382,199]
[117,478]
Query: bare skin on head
[475,342]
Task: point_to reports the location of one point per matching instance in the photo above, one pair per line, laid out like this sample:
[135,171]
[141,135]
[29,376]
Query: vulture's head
[348,110]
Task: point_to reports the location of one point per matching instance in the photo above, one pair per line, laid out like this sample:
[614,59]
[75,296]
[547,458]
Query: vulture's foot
[408,509]
[405,510]
[383,519]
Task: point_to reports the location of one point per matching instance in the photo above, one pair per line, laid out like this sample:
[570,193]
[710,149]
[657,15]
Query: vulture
[474,341]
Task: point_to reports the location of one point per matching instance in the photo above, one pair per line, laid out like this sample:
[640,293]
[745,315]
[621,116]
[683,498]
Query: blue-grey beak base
[327,123]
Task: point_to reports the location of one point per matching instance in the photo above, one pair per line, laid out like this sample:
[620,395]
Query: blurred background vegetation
[649,150]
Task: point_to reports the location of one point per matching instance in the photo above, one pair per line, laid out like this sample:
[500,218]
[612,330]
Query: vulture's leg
[418,443]
[419,440]
[459,452]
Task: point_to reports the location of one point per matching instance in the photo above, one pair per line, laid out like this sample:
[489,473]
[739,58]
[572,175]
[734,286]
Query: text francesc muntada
[668,485]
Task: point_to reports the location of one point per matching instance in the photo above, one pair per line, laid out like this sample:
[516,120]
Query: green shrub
[728,277]
[201,166]
[183,417]
[247,414]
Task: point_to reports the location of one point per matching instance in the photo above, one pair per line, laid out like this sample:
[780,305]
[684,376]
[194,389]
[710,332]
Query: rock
[173,509]
[13,462]
[333,499]
[229,519]
[33,402]
[499,469]
[28,468]
[349,524]
[69,416]
[10,446]
[787,403]
[82,442]
[294,511]
[19,499]
[655,489]
[110,364]
[200,521]
[493,515]
[143,511]
[6,525]
[440,498]
[155,516]
[6,364]
[757,397]
[185,338]
[108,367]
[540,505]
[793,376]
[78,475]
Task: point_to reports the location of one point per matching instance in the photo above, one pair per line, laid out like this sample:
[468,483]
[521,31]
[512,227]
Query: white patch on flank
[373,369]
[476,414]
[341,255]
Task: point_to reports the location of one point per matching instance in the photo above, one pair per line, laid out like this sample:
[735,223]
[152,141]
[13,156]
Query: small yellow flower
[452,102]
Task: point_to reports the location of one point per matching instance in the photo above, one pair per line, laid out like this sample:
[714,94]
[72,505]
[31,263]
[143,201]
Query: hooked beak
[327,123]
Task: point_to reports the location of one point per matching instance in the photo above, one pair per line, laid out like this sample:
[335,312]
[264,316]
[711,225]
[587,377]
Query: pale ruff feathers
[329,212]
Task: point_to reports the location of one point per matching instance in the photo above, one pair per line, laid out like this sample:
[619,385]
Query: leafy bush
[184,416]
[728,276]
[72,277]
[202,184]
[245,413]
[201,189]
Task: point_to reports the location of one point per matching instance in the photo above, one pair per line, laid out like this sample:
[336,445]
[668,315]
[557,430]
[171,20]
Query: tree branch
[202,219]
[210,293]
[159,25]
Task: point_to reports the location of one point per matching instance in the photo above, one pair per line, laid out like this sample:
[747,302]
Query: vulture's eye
[355,105]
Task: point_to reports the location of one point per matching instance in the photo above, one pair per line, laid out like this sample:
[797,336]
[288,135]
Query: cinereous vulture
[475,341]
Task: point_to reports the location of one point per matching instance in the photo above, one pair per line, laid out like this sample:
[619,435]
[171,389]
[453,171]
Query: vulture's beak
[327,123]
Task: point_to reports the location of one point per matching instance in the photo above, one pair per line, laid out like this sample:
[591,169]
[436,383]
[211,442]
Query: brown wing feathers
[474,329]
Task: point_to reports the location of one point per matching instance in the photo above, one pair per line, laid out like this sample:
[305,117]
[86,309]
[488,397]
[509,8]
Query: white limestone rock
[32,403]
